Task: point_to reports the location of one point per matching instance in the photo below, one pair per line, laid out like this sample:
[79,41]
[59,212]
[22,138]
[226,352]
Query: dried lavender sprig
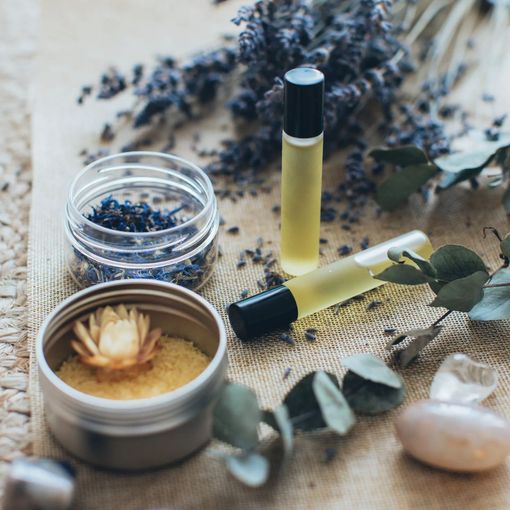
[132,217]
[357,45]
[352,42]
[170,86]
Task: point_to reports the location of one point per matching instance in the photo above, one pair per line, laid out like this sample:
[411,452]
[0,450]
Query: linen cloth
[80,39]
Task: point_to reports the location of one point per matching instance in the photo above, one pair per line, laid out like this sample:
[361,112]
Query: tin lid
[303,102]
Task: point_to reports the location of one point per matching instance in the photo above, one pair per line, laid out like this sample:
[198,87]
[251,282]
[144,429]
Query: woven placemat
[370,470]
[17,34]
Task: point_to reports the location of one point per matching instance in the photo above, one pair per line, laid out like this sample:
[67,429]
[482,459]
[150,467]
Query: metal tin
[134,434]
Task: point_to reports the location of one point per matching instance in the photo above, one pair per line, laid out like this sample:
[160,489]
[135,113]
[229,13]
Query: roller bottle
[301,170]
[319,289]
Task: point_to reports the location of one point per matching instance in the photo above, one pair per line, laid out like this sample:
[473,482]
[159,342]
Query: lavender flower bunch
[352,42]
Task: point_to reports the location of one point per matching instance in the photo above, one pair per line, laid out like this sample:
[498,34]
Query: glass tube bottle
[314,291]
[301,184]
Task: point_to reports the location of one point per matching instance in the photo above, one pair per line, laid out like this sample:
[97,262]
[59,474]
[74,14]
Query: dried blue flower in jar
[159,222]
[128,217]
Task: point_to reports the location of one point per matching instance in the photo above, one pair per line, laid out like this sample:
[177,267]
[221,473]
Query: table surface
[75,45]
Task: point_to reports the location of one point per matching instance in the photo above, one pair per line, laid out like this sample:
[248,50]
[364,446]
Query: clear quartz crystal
[461,379]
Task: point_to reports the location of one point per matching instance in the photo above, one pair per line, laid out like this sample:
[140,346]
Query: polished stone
[461,379]
[453,436]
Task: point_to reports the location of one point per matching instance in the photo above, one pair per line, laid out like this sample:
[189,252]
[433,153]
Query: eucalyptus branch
[442,318]
[461,282]
[297,420]
[496,285]
[316,402]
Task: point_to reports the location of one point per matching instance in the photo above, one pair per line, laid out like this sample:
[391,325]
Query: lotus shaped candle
[116,339]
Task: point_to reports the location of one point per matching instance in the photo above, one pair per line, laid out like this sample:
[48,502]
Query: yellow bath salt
[177,363]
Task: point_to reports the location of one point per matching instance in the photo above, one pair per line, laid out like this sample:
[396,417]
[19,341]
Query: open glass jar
[184,254]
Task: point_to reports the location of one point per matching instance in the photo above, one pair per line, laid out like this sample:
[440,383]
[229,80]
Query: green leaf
[396,254]
[453,261]
[420,339]
[250,468]
[402,156]
[506,200]
[269,419]
[496,181]
[412,333]
[462,294]
[461,166]
[449,179]
[495,303]
[236,416]
[334,408]
[279,420]
[473,159]
[397,188]
[403,274]
[304,410]
[373,369]
[503,159]
[436,286]
[367,397]
[505,246]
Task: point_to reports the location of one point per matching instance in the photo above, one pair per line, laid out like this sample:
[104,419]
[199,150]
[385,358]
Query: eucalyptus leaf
[506,200]
[236,416]
[449,179]
[505,246]
[503,159]
[279,420]
[475,159]
[269,419]
[412,333]
[495,303]
[496,181]
[396,254]
[403,274]
[420,338]
[334,408]
[304,410]
[462,294]
[397,188]
[373,369]
[402,156]
[436,286]
[454,261]
[367,397]
[251,469]
[395,340]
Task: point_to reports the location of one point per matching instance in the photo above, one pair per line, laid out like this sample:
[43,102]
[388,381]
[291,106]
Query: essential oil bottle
[301,184]
[301,296]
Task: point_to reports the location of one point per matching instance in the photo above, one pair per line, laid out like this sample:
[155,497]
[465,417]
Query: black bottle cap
[272,309]
[304,102]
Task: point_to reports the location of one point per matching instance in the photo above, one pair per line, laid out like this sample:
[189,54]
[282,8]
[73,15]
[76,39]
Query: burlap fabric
[370,471]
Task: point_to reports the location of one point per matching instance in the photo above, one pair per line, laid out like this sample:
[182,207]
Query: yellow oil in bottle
[300,204]
[350,276]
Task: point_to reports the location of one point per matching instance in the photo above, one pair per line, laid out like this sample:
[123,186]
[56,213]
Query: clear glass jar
[184,254]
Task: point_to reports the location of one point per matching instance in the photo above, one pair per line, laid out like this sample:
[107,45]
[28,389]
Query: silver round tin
[143,433]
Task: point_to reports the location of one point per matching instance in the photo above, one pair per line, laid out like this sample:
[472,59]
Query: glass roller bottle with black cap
[301,170]
[301,296]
